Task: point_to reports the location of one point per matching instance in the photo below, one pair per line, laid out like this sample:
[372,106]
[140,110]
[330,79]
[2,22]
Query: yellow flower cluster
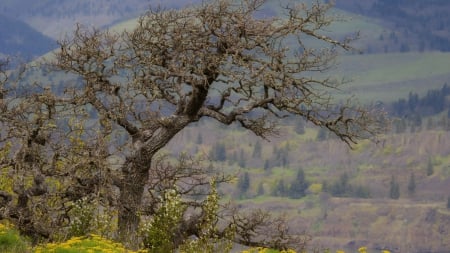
[86,244]
[5,228]
[266,250]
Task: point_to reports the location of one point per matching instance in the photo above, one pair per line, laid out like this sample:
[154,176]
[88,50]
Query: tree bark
[132,188]
[135,175]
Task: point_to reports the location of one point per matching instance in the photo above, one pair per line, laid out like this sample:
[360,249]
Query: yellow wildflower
[362,250]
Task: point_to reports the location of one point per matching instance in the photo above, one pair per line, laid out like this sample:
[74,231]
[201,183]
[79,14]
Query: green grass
[11,241]
[387,77]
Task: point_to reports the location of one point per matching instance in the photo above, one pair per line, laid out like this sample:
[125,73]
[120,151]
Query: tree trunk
[132,188]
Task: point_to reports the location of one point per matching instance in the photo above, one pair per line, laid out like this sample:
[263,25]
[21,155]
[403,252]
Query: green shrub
[11,241]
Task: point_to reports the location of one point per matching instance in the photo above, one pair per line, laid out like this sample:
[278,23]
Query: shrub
[11,241]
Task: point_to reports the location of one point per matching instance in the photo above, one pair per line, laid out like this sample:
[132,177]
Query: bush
[11,241]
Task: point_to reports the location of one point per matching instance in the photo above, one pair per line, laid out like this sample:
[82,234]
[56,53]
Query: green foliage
[430,167]
[242,159]
[243,183]
[342,188]
[199,138]
[394,190]
[280,189]
[257,150]
[322,134]
[85,219]
[218,152]
[412,184]
[6,182]
[299,126]
[11,241]
[82,218]
[209,240]
[160,232]
[298,187]
[260,190]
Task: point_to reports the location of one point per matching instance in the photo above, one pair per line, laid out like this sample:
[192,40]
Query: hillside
[18,38]
[415,25]
[55,18]
[337,218]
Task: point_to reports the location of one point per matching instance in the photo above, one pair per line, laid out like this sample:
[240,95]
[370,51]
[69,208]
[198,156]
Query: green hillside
[388,77]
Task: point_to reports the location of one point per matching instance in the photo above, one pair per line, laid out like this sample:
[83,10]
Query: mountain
[416,25]
[18,38]
[55,18]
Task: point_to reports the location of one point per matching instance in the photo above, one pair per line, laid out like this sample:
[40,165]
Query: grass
[387,77]
[11,241]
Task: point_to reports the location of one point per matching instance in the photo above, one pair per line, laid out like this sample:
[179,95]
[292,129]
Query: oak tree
[218,60]
[132,91]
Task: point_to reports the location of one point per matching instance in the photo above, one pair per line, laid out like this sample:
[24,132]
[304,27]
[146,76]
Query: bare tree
[217,60]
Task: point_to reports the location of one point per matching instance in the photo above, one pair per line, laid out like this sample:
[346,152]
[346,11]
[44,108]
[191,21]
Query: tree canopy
[131,92]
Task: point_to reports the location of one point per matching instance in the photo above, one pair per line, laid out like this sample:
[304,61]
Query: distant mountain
[417,25]
[18,38]
[56,18]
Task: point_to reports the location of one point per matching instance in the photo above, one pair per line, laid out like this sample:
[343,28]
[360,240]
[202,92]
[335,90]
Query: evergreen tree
[322,134]
[218,152]
[298,187]
[257,150]
[266,165]
[260,189]
[199,138]
[280,189]
[242,162]
[412,184]
[299,127]
[394,191]
[430,167]
[243,183]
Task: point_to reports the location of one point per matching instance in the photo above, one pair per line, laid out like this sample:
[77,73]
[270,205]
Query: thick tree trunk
[132,188]
[135,174]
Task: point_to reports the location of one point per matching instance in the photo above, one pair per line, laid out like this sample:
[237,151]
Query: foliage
[279,189]
[394,189]
[86,218]
[412,184]
[11,241]
[243,183]
[160,232]
[208,240]
[298,187]
[343,188]
[218,152]
[430,167]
